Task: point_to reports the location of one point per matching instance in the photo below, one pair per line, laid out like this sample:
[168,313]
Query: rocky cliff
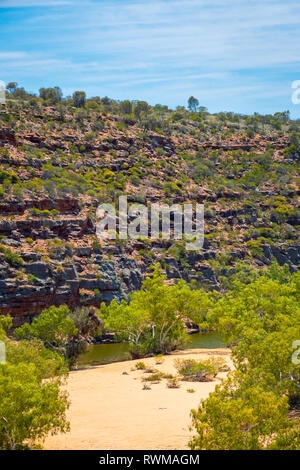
[55,169]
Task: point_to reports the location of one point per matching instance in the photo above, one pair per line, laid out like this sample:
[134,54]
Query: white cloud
[161,48]
[230,35]
[12,55]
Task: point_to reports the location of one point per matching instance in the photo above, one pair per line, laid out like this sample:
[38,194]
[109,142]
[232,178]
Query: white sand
[112,411]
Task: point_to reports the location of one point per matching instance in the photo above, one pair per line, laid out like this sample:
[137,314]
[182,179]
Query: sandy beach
[110,410]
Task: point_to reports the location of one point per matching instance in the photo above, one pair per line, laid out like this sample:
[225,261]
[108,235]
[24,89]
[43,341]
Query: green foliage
[159,359]
[193,103]
[155,376]
[173,383]
[129,322]
[44,213]
[140,108]
[32,279]
[243,419]
[8,176]
[11,257]
[153,320]
[265,305]
[140,365]
[29,408]
[126,107]
[32,404]
[255,247]
[172,188]
[53,327]
[200,371]
[51,95]
[5,324]
[79,98]
[261,320]
[48,364]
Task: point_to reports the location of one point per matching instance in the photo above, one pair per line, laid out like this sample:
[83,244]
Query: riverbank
[99,354]
[110,410]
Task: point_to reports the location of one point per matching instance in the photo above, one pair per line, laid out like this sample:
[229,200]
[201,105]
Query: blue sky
[233,55]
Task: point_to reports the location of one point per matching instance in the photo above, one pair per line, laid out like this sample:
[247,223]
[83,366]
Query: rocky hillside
[58,162]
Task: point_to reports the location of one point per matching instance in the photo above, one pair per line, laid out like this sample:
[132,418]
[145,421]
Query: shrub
[155,377]
[173,383]
[9,176]
[199,371]
[140,365]
[43,213]
[146,387]
[32,279]
[172,188]
[12,258]
[255,246]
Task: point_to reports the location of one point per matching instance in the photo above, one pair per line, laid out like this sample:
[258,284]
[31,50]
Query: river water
[106,353]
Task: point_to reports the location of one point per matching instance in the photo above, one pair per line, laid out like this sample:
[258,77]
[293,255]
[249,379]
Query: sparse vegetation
[140,365]
[200,371]
[173,383]
[62,156]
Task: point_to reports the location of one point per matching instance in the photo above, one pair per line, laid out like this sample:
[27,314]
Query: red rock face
[34,301]
[65,206]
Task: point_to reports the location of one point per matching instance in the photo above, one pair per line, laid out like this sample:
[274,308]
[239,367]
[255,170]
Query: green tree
[126,107]
[32,403]
[265,305]
[141,108]
[153,320]
[269,360]
[29,408]
[79,99]
[261,320]
[193,103]
[11,86]
[51,95]
[129,321]
[168,307]
[21,94]
[53,327]
[48,364]
[243,418]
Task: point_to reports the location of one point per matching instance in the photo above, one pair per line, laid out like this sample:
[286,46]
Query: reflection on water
[204,340]
[106,353]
